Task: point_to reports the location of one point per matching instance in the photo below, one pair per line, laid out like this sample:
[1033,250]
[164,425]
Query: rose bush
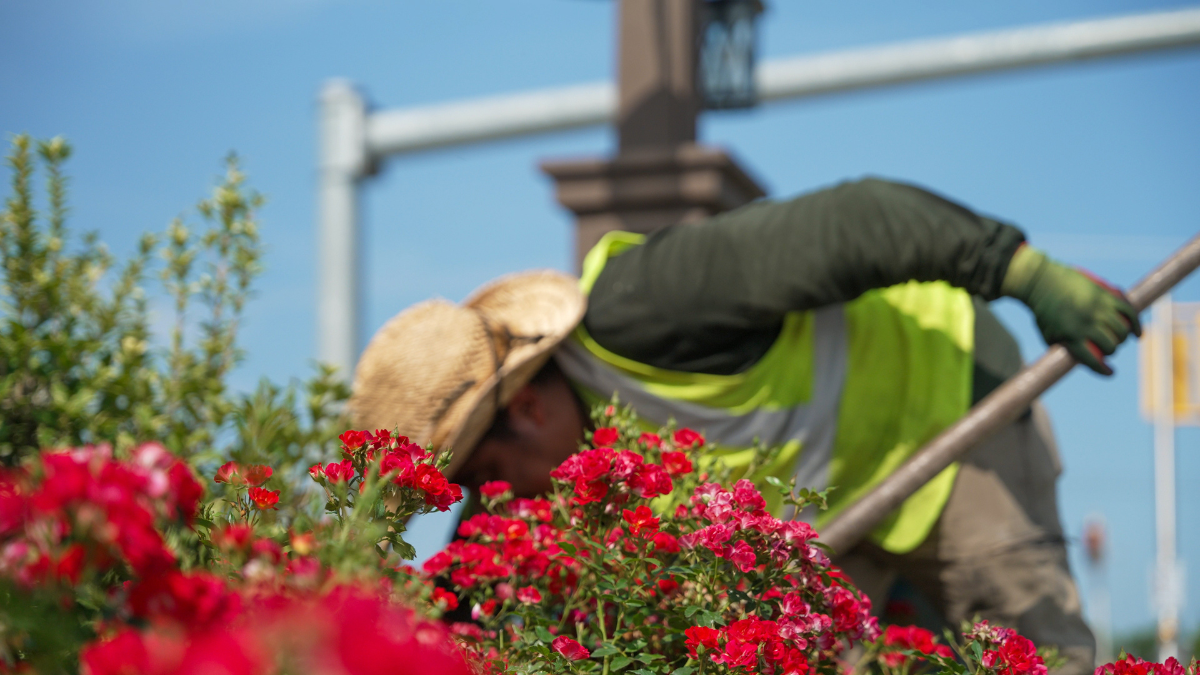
[648,558]
[639,561]
[115,566]
[636,563]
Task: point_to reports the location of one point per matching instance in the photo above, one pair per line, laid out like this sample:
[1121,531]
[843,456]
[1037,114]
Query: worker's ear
[527,410]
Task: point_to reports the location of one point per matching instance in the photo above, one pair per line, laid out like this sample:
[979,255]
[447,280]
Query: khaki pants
[998,550]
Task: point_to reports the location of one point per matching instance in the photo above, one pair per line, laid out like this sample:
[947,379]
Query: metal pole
[1166,597]
[343,163]
[407,130]
[976,53]
[395,132]
[996,410]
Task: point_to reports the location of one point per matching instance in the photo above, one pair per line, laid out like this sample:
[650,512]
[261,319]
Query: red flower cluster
[233,473]
[408,465]
[751,643]
[898,639]
[740,529]
[494,489]
[494,548]
[80,510]
[81,531]
[1007,652]
[346,631]
[718,548]
[1131,665]
[593,473]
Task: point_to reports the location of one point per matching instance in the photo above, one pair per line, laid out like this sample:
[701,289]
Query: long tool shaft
[999,408]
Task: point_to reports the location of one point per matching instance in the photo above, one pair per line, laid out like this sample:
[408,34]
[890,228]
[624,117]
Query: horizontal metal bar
[485,119]
[976,53]
[392,132]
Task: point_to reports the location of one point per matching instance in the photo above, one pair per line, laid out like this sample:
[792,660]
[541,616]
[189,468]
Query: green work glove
[1073,308]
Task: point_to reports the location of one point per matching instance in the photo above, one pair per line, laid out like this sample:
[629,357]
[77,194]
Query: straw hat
[438,372]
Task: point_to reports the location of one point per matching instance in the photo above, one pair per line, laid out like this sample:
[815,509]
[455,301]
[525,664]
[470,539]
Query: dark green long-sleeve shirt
[711,297]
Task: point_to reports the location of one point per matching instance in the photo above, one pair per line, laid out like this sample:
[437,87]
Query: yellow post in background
[1170,396]
[1184,366]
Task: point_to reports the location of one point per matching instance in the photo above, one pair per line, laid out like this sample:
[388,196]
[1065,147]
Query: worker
[847,327]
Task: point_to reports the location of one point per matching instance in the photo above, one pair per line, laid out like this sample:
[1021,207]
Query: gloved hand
[1073,308]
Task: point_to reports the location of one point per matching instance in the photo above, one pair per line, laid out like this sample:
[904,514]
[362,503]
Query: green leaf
[568,548]
[683,670]
[606,650]
[977,650]
[620,662]
[774,481]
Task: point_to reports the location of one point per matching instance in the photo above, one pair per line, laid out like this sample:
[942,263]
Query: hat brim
[545,304]
[439,372]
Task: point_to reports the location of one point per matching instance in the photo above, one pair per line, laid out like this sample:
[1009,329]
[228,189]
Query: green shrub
[80,364]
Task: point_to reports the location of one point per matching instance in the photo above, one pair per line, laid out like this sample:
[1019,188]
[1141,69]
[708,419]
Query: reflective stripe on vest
[813,425]
[848,391]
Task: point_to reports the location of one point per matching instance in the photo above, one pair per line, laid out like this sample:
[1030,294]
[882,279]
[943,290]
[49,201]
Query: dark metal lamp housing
[728,43]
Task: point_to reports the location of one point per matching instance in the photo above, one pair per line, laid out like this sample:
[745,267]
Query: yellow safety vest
[848,392]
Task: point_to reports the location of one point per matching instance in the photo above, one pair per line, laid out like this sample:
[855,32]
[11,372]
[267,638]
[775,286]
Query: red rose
[256,474]
[743,556]
[70,564]
[738,655]
[665,586]
[666,543]
[486,609]
[400,464]
[650,440]
[651,481]
[747,496]
[353,439]
[624,464]
[186,489]
[233,537]
[605,436]
[676,463]
[447,600]
[702,636]
[586,493]
[339,472]
[686,438]
[641,521]
[494,488]
[264,499]
[570,648]
[1020,657]
[529,595]
[452,494]
[229,472]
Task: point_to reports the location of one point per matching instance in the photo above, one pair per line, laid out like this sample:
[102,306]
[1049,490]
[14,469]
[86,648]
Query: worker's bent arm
[710,297]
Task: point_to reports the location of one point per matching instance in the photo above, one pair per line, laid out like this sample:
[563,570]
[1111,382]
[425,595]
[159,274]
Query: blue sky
[1098,162]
